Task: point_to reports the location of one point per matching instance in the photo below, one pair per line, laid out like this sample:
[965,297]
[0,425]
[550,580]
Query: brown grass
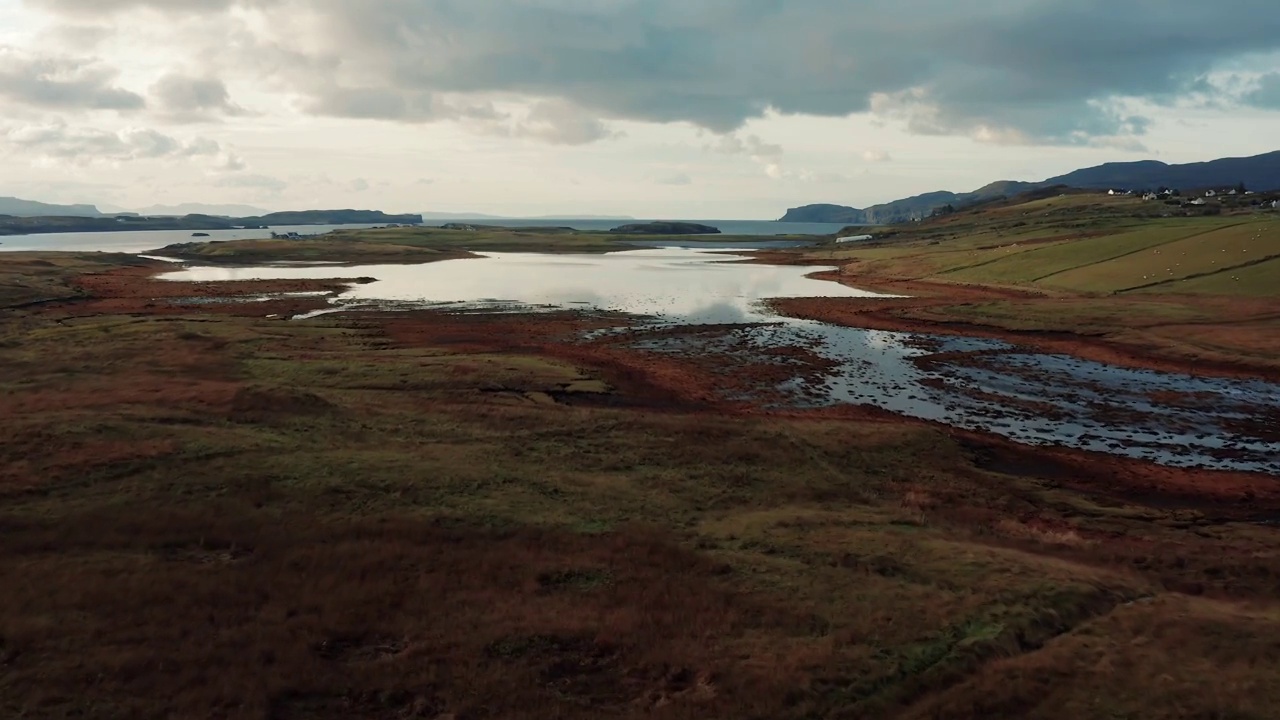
[214,515]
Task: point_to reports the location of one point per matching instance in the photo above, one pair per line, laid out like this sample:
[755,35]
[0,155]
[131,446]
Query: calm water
[1017,393]
[678,285]
[136,242]
[727,227]
[976,384]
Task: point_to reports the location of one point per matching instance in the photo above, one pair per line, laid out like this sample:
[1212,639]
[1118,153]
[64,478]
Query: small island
[666,228]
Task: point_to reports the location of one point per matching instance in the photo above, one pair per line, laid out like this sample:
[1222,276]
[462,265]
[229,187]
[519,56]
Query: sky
[701,109]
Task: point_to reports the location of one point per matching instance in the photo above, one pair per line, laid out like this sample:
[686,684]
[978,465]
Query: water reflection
[970,383]
[676,284]
[991,386]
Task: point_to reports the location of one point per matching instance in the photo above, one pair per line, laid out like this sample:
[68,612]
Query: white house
[854,238]
[1210,193]
[1151,196]
[1199,201]
[1275,204]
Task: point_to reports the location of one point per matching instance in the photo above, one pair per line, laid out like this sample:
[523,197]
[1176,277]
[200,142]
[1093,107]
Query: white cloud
[751,145]
[265,183]
[86,145]
[562,123]
[62,82]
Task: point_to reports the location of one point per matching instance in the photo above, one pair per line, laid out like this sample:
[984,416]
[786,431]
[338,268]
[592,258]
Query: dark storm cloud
[1016,70]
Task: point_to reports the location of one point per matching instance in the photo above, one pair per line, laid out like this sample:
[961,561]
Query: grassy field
[214,515]
[1070,244]
[1192,289]
[34,278]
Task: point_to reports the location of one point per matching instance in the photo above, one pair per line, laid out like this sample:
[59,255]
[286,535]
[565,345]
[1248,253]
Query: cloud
[562,123]
[751,145]
[1267,93]
[927,111]
[78,36]
[84,146]
[266,183]
[64,83]
[100,7]
[228,161]
[876,156]
[181,98]
[775,171]
[1005,71]
[375,103]
[358,185]
[676,179]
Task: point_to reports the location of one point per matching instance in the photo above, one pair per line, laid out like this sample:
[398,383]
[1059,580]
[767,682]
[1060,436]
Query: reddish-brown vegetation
[206,513]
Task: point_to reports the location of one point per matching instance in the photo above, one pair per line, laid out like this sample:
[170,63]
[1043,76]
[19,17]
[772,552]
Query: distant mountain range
[30,208]
[1260,172]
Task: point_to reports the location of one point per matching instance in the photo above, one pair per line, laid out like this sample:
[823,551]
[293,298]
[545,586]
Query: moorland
[210,510]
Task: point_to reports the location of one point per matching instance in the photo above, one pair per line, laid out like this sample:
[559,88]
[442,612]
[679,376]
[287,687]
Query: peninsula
[17,225]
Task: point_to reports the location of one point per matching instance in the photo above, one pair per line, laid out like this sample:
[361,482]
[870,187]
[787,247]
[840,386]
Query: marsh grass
[218,516]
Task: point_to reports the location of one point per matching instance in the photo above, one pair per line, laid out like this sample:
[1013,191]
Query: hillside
[30,208]
[1195,290]
[1260,172]
[1083,244]
[905,210]
[41,225]
[331,217]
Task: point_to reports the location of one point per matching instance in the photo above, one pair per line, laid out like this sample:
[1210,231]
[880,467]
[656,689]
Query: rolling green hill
[1082,244]
[1260,172]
